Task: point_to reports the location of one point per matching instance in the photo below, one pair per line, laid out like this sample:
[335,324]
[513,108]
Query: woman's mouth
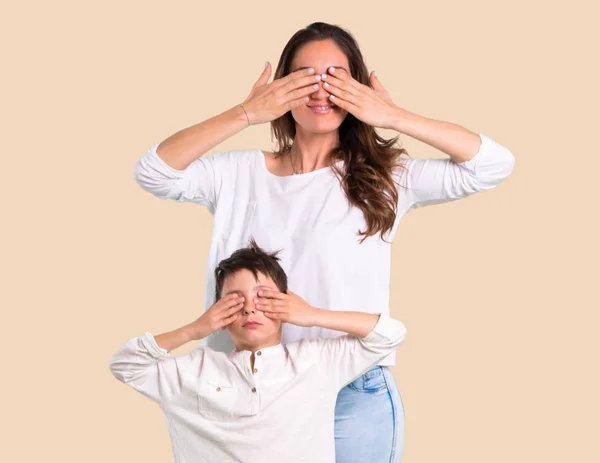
[321,108]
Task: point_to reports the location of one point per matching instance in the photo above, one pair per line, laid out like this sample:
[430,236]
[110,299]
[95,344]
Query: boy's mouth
[251,324]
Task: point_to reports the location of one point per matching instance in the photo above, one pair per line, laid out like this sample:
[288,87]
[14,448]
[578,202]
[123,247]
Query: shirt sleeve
[200,182]
[143,365]
[347,357]
[434,181]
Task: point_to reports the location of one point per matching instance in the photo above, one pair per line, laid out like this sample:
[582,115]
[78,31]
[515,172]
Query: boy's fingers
[271,294]
[228,321]
[231,310]
[230,300]
[273,315]
[226,299]
[268,309]
[264,301]
[272,303]
[264,308]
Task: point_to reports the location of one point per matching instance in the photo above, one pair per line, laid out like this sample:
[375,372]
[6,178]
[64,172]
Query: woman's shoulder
[235,158]
[274,163]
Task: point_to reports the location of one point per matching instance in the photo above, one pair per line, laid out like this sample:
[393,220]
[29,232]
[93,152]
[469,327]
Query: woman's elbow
[506,162]
[496,170]
[140,175]
[151,179]
[116,370]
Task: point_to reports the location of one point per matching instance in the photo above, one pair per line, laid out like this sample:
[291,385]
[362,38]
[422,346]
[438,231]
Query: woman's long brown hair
[369,159]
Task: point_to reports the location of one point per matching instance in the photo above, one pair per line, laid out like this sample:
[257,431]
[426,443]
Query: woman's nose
[320,92]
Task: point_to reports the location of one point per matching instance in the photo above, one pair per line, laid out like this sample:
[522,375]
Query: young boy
[263,402]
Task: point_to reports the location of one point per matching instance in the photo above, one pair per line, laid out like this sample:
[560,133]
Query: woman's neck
[311,151]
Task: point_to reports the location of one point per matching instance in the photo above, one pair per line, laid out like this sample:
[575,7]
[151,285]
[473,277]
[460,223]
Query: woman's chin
[322,125]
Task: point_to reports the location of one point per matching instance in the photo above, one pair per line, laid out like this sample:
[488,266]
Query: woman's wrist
[402,119]
[245,114]
[239,114]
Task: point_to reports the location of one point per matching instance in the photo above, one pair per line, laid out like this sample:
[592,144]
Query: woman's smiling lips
[321,108]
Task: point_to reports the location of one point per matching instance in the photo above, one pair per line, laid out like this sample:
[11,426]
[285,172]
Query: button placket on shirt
[253,385]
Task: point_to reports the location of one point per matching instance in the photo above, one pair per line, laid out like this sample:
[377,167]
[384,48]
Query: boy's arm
[345,358]
[358,324]
[371,337]
[145,364]
[142,364]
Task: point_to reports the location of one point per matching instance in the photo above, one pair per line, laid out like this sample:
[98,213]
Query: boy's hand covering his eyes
[287,307]
[291,308]
[221,314]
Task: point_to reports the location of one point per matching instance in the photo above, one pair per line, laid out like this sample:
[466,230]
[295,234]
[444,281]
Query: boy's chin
[252,339]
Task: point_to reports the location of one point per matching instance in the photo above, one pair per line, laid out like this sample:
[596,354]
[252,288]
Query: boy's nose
[249,308]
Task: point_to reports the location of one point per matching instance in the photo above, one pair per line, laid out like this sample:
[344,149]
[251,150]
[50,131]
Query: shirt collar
[271,351]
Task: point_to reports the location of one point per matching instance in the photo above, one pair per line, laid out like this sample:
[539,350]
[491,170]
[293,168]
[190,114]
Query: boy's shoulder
[314,349]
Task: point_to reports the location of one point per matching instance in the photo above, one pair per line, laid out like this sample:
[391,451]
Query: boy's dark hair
[256,260]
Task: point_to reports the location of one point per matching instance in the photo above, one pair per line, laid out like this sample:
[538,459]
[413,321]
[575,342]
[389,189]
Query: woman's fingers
[293,104]
[299,98]
[300,94]
[344,91]
[296,92]
[291,77]
[342,79]
[301,83]
[341,94]
[347,87]
[345,105]
[294,89]
[264,76]
[376,84]
[379,88]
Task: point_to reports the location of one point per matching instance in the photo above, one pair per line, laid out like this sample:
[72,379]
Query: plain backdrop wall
[498,291]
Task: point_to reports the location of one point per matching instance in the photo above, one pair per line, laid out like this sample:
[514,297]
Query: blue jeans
[369,420]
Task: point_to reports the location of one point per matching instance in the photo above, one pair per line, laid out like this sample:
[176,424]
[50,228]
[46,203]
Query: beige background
[498,291]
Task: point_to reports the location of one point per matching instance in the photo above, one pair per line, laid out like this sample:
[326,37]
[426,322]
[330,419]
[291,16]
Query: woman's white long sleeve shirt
[308,217]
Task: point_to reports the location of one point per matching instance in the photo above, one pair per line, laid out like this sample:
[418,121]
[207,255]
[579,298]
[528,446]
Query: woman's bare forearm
[458,142]
[187,145]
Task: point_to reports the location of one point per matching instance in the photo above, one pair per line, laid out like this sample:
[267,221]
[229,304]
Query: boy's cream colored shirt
[219,410]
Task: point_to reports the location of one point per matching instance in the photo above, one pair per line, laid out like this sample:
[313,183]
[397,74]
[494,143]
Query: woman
[330,197]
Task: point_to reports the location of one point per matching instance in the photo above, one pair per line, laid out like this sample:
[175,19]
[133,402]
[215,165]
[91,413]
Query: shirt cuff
[386,328]
[492,160]
[484,147]
[149,343]
[164,166]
